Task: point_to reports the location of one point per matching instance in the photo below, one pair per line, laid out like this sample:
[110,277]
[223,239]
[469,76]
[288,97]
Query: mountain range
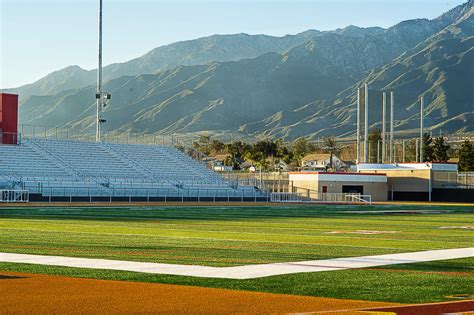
[287,87]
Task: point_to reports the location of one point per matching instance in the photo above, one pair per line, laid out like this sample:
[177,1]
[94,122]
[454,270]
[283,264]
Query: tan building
[313,184]
[414,181]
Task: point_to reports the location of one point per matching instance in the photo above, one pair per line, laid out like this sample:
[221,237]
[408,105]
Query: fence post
[403,150]
[378,151]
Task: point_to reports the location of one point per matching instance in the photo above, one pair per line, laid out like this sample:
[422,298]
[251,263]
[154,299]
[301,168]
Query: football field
[223,236]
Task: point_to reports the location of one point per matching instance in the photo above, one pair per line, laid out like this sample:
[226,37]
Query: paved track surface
[43,294]
[461,307]
[242,272]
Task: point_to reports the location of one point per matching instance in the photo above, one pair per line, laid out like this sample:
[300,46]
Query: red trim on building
[424,163]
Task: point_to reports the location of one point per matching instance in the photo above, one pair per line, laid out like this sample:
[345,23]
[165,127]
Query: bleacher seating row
[56,168]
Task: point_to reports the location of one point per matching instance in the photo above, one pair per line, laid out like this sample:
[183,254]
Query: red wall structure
[9,118]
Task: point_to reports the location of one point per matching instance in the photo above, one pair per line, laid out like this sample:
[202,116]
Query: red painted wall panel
[9,118]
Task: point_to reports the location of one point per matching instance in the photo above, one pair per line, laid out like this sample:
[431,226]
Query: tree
[300,148]
[202,144]
[216,146]
[427,148]
[330,146]
[267,148]
[375,136]
[229,161]
[411,151]
[466,157]
[237,150]
[440,150]
[283,152]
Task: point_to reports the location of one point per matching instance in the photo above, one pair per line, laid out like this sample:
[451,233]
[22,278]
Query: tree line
[265,153]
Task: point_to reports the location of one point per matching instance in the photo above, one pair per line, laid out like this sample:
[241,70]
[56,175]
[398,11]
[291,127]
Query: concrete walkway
[242,272]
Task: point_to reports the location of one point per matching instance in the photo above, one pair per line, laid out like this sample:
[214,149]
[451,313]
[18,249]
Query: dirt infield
[29,293]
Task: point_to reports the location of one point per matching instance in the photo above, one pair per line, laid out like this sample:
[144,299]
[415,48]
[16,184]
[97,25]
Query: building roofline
[338,173]
[12,94]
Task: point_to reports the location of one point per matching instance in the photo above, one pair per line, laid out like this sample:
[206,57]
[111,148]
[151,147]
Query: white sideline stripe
[242,272]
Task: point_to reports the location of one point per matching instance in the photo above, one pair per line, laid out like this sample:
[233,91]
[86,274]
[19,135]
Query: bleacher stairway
[54,170]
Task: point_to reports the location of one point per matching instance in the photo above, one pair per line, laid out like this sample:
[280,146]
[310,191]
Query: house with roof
[321,162]
[281,166]
[217,163]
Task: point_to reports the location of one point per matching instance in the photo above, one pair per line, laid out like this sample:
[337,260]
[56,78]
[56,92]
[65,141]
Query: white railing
[74,194]
[8,196]
[360,198]
[321,198]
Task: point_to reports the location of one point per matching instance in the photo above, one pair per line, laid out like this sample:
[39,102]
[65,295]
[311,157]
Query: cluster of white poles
[391,144]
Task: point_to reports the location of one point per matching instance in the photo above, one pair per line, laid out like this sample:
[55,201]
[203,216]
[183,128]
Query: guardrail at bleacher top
[10,196]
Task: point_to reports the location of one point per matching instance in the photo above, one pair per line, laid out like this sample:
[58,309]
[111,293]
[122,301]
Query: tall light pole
[358,126]
[422,105]
[384,119]
[366,124]
[392,107]
[98,94]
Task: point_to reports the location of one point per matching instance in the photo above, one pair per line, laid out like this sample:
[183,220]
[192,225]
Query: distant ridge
[291,86]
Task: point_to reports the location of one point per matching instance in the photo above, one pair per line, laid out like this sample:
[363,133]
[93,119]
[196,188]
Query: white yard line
[242,272]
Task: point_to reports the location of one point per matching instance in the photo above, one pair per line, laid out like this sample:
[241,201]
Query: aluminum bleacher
[58,170]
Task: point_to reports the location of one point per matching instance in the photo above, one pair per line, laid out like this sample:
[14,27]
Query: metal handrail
[10,196]
[199,195]
[320,198]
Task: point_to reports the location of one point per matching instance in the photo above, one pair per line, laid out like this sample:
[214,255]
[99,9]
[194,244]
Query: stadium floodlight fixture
[106,98]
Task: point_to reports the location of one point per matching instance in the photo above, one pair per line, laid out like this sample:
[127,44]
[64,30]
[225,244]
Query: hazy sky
[41,36]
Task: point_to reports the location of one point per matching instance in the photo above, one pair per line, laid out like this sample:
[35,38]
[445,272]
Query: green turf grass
[229,236]
[226,236]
